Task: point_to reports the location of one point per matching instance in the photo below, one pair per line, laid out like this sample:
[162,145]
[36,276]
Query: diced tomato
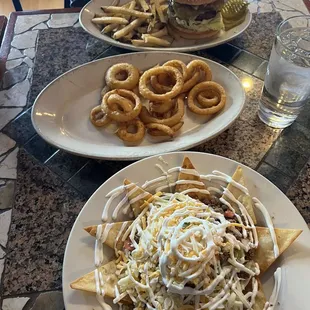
[128,245]
[229,214]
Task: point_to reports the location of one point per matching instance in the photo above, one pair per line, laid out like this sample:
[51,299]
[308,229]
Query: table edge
[8,34]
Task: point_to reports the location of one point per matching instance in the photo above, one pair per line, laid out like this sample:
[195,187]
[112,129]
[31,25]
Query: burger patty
[195,12]
[206,15]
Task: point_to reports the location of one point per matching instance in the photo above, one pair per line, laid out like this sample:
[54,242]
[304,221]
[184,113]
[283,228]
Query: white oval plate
[60,113]
[295,262]
[178,45]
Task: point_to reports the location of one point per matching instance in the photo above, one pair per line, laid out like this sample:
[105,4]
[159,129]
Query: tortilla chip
[137,206]
[246,200]
[112,234]
[187,164]
[260,299]
[87,282]
[264,255]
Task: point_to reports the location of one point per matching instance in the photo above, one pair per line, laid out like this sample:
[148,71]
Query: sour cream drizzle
[269,223]
[100,291]
[101,237]
[270,305]
[232,291]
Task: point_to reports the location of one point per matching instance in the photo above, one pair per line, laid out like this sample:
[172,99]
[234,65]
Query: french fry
[133,25]
[140,43]
[160,33]
[129,35]
[124,11]
[164,7]
[110,20]
[159,11]
[109,28]
[115,2]
[156,41]
[144,5]
[132,5]
[100,15]
[153,20]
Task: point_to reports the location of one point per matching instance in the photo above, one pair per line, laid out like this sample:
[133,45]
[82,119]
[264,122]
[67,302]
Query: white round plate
[178,45]
[295,262]
[60,113]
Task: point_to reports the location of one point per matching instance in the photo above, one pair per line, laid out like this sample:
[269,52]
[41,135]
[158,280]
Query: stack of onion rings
[164,88]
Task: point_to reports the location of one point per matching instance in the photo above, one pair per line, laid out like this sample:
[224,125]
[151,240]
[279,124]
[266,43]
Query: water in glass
[287,82]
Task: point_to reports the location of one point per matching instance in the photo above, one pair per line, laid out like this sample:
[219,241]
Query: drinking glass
[287,82]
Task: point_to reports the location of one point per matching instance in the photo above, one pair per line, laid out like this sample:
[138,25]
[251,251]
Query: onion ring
[162,83]
[125,135]
[98,117]
[118,103]
[189,84]
[146,76]
[147,118]
[200,65]
[156,132]
[208,99]
[178,64]
[131,80]
[202,87]
[161,107]
[166,130]
[161,87]
[122,116]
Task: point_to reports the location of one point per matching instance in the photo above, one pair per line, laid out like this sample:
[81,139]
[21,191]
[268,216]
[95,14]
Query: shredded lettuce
[215,23]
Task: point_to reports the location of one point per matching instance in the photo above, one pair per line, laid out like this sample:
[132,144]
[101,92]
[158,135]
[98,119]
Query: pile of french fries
[136,22]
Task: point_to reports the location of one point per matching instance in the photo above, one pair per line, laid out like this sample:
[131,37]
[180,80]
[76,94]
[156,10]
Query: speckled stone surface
[259,37]
[299,193]
[51,186]
[41,222]
[73,47]
[242,142]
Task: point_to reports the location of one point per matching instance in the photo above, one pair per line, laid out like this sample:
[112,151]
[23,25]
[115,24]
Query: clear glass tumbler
[287,82]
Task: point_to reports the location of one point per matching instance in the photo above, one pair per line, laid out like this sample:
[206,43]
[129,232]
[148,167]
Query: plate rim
[190,48]
[125,157]
[183,153]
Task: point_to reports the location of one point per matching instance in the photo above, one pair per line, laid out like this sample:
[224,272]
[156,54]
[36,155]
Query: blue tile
[91,176]
[297,137]
[21,129]
[247,62]
[225,52]
[65,164]
[260,72]
[304,116]
[274,175]
[40,149]
[285,159]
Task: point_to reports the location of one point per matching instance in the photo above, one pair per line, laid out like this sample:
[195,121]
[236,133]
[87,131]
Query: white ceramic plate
[60,114]
[295,262]
[179,45]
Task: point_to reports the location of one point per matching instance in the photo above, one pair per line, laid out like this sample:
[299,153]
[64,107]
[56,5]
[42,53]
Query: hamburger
[196,19]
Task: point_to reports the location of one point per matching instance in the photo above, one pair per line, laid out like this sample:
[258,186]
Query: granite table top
[42,189]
